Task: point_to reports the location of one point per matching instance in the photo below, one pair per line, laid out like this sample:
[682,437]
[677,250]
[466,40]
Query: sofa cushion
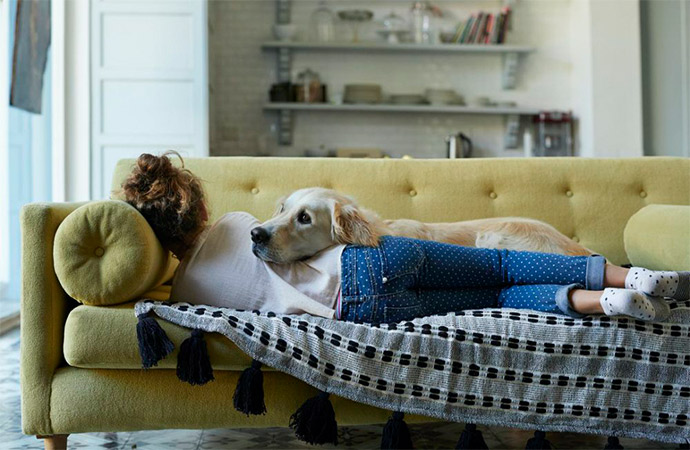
[105,337]
[658,237]
[106,253]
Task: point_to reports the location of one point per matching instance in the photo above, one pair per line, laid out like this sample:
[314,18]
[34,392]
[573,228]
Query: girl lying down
[400,279]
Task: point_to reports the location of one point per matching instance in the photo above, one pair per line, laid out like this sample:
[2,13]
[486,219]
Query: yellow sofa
[80,369]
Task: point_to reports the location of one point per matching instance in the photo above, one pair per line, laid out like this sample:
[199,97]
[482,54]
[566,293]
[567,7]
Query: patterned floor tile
[439,435]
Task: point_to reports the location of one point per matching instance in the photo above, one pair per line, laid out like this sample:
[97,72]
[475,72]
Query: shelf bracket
[510,67]
[511,132]
[285,127]
[283,8]
[284,65]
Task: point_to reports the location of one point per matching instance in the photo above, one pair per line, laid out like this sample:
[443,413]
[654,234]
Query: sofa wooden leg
[55,441]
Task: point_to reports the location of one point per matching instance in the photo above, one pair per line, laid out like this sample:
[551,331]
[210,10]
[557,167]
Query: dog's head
[308,221]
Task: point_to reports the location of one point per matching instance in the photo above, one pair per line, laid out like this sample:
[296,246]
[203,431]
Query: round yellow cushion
[106,253]
[658,237]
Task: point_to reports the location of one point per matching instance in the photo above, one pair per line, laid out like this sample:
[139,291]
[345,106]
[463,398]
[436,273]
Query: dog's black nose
[260,235]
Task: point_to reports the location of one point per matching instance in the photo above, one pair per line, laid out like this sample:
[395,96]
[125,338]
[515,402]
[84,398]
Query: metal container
[554,134]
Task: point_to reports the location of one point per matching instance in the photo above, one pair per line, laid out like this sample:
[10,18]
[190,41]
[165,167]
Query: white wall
[665,61]
[587,60]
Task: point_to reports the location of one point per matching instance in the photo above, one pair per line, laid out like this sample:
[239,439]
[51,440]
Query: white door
[149,89]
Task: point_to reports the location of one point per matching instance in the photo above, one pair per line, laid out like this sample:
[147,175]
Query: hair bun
[154,167]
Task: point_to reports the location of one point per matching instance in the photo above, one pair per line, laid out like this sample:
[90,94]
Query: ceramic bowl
[284,31]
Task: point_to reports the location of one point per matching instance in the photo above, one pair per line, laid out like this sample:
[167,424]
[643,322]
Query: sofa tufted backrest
[589,200]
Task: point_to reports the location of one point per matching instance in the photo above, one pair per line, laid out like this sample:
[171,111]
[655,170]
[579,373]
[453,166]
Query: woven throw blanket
[517,368]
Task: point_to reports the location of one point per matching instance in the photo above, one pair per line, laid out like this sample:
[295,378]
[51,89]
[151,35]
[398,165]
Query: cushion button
[255,191]
[568,193]
[493,195]
[99,251]
[643,194]
[413,193]
[576,239]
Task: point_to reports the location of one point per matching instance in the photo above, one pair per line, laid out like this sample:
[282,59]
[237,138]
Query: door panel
[149,82]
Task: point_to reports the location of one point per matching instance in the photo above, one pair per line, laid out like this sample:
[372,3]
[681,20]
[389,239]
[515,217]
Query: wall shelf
[512,114]
[402,47]
[439,109]
[511,54]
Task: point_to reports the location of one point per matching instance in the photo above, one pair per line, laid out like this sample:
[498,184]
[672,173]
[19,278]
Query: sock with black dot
[659,283]
[629,302]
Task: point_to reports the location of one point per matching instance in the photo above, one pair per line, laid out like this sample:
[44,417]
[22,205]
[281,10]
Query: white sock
[633,303]
[659,283]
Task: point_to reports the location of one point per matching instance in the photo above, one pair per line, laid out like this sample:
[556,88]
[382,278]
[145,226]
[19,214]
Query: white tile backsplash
[241,74]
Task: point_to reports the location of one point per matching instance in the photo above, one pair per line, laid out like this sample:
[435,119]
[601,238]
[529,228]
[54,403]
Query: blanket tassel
[314,422]
[193,364]
[154,344]
[538,442]
[471,438]
[613,444]
[396,435]
[249,393]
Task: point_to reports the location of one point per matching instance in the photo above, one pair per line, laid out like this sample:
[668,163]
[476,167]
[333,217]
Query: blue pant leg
[549,268]
[448,266]
[445,301]
[551,298]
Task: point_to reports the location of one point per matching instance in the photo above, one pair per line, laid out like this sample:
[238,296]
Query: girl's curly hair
[170,198]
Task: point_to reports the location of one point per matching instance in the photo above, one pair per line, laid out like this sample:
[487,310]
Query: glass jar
[422,14]
[395,28]
[322,24]
[309,88]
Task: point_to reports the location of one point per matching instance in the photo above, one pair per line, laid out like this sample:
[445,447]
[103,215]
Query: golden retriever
[312,219]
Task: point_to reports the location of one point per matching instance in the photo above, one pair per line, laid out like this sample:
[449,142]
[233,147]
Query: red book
[489,28]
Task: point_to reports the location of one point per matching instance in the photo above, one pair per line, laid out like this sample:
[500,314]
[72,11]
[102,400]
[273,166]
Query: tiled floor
[435,435]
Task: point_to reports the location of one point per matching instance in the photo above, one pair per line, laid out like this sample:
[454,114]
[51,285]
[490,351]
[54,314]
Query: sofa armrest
[658,237]
[43,312]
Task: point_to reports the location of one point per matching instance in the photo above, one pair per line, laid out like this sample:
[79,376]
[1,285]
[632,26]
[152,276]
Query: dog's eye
[303,218]
[282,207]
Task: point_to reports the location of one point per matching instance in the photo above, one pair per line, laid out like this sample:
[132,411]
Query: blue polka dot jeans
[405,278]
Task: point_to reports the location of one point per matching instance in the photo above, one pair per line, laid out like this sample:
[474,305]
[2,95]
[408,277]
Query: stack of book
[484,28]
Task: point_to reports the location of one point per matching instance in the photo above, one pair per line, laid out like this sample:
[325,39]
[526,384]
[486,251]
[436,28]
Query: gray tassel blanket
[517,368]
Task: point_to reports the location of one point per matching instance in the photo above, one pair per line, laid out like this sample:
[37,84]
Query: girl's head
[170,198]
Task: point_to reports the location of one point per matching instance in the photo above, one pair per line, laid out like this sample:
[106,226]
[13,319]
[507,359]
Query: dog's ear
[350,226]
[279,206]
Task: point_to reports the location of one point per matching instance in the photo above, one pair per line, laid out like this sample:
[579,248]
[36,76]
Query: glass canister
[309,88]
[554,134]
[322,24]
[422,22]
[395,28]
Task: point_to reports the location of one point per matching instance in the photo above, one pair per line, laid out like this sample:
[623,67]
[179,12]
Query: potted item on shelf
[308,88]
[355,17]
[395,29]
[554,134]
[322,24]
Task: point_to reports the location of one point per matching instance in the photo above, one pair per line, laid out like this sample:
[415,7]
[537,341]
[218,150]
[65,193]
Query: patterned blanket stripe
[469,367]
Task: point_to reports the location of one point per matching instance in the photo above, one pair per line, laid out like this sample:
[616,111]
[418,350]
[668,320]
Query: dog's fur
[337,219]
